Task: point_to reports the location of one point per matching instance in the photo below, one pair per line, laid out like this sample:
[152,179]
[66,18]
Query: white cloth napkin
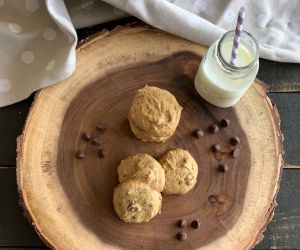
[37,47]
[38,39]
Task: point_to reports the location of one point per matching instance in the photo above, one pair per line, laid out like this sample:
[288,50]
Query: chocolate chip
[223,168]
[224,123]
[235,141]
[195,224]
[198,133]
[181,236]
[212,199]
[181,223]
[80,155]
[216,148]
[101,127]
[86,136]
[213,128]
[102,153]
[235,153]
[189,180]
[132,208]
[96,141]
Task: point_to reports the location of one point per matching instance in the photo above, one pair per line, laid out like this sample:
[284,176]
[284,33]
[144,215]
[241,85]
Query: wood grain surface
[283,231]
[288,105]
[12,120]
[64,198]
[91,181]
[284,77]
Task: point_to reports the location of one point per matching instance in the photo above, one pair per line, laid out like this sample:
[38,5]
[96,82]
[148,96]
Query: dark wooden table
[282,233]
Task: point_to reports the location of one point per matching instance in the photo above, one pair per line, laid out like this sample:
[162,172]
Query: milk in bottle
[220,83]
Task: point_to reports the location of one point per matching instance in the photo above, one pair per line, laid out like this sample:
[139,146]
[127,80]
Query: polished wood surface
[69,200]
[89,182]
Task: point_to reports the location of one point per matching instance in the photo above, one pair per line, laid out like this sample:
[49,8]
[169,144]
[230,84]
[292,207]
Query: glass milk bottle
[221,83]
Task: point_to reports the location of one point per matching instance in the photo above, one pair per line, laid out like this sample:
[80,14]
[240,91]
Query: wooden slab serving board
[69,201]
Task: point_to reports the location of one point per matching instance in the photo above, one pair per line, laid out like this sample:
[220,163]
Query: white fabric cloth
[37,47]
[38,39]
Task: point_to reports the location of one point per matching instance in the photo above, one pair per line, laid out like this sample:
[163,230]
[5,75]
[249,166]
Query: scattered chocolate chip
[181,236]
[96,141]
[86,136]
[181,223]
[212,199]
[213,128]
[102,153]
[235,153]
[223,168]
[195,224]
[216,148]
[198,133]
[80,155]
[235,141]
[101,127]
[224,123]
[189,180]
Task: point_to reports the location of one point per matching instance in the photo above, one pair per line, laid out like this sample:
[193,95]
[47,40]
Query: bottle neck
[249,44]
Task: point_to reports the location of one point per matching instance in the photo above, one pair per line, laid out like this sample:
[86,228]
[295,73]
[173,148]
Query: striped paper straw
[237,36]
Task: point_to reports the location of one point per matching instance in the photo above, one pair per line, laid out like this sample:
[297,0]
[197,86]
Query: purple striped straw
[237,36]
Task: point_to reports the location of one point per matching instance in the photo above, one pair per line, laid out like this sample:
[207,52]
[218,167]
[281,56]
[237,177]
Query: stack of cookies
[137,198]
[154,116]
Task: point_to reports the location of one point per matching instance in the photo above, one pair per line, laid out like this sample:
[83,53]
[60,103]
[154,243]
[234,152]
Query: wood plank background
[284,77]
[283,232]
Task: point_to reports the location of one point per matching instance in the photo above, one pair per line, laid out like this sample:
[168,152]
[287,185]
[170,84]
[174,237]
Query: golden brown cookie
[154,114]
[144,168]
[181,171]
[136,202]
